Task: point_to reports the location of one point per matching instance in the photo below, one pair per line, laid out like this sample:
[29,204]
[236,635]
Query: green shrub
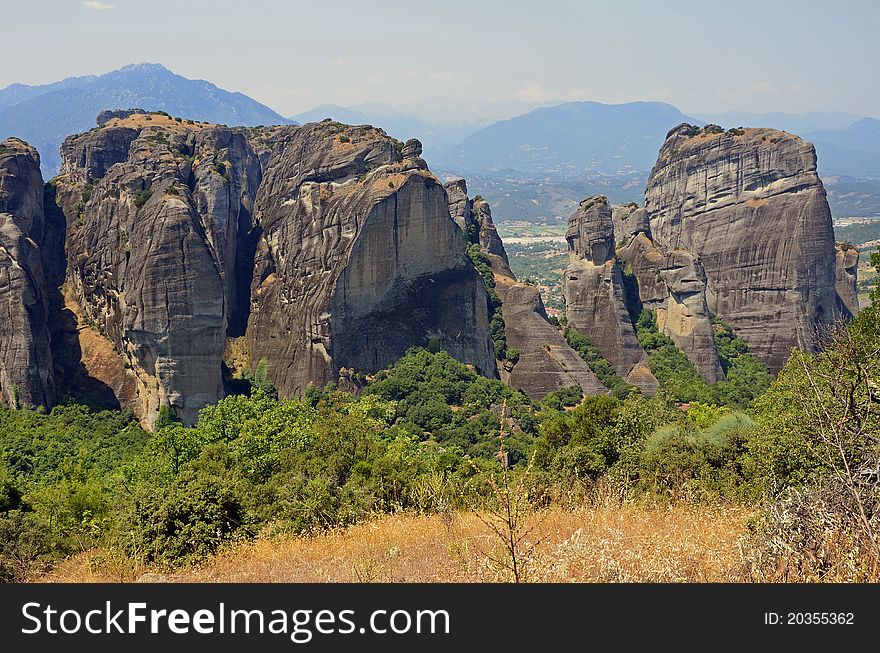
[598,364]
[141,197]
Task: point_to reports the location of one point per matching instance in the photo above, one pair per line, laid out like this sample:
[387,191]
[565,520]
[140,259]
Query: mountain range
[531,160]
[44,115]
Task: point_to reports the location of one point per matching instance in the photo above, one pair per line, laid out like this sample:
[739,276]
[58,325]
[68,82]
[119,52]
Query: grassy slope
[608,543]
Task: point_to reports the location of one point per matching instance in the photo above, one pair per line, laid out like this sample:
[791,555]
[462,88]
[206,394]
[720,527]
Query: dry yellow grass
[629,543]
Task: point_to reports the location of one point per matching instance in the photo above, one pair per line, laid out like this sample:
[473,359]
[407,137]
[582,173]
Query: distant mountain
[474,110]
[571,141]
[863,135]
[794,123]
[436,137]
[44,115]
[853,151]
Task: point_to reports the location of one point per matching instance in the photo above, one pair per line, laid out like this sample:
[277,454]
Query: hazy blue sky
[767,55]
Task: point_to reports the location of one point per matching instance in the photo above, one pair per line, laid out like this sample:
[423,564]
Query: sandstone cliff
[26,369]
[546,362]
[154,210]
[749,205]
[358,259]
[595,296]
[673,285]
[846,272]
[325,246]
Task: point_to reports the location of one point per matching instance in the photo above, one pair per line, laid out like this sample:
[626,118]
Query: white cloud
[763,86]
[577,94]
[533,92]
[97,5]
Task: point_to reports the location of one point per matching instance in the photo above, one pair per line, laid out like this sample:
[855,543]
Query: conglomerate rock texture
[155,210]
[324,246]
[596,299]
[358,259]
[750,207]
[26,368]
[546,361]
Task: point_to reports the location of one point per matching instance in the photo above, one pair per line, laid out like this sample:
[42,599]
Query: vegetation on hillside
[423,437]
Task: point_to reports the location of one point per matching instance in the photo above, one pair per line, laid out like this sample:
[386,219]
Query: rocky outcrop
[459,203]
[595,296]
[846,276]
[627,221]
[490,241]
[109,114]
[750,207]
[26,368]
[155,210]
[546,362]
[325,247]
[673,285]
[358,260]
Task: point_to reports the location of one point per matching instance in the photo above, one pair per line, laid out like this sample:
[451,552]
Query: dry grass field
[613,543]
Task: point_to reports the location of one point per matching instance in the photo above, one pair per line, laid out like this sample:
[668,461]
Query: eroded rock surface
[546,362]
[358,260]
[750,206]
[673,285]
[324,246]
[595,296]
[846,267]
[26,368]
[155,209]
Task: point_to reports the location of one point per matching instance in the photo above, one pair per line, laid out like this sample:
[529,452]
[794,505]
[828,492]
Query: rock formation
[673,285]
[155,209]
[459,204]
[490,241]
[846,274]
[26,369]
[749,205]
[627,221]
[546,362]
[595,296]
[328,250]
[358,260]
[324,246]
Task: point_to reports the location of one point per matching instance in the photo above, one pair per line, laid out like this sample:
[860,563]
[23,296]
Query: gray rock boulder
[595,295]
[750,206]
[26,367]
[358,260]
[846,274]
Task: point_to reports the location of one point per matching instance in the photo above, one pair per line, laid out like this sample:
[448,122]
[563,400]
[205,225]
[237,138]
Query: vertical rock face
[459,204]
[154,209]
[358,260]
[546,362]
[490,241]
[628,220]
[673,285]
[26,370]
[750,206]
[846,273]
[325,246]
[595,295]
